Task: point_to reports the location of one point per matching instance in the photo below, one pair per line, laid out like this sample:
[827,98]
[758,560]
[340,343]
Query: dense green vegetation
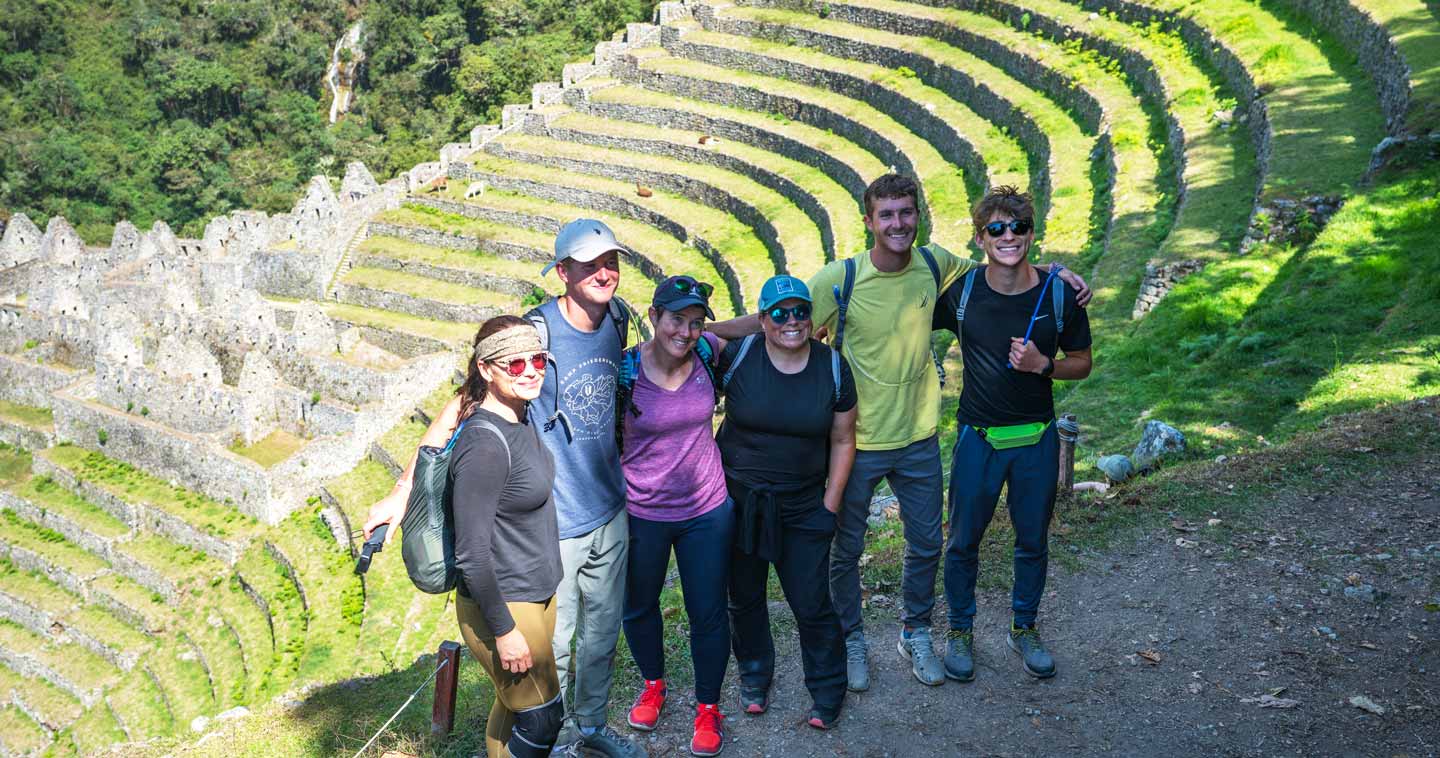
[179,110]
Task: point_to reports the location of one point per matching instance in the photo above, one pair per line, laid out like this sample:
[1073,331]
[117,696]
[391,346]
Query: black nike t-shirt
[776,431]
[993,394]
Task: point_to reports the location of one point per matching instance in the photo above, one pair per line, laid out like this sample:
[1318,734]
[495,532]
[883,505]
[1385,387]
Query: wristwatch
[1049,367]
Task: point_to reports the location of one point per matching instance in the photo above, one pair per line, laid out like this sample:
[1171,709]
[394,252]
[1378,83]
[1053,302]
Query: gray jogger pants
[591,601]
[915,476]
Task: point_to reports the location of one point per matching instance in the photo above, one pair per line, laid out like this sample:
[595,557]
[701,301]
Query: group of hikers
[584,458]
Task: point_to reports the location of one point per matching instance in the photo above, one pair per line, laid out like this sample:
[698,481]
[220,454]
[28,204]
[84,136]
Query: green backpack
[427,538]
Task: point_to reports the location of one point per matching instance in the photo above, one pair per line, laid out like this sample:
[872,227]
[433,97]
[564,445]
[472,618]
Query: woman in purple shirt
[676,498]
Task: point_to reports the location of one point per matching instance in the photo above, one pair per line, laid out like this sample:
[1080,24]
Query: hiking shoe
[709,736]
[646,710]
[609,743]
[754,700]
[823,718]
[923,664]
[857,668]
[960,655]
[1025,641]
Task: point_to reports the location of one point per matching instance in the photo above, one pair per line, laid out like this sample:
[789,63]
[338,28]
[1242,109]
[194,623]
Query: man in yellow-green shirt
[886,339]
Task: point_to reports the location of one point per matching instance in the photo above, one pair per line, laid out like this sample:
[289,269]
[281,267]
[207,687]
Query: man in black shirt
[1012,323]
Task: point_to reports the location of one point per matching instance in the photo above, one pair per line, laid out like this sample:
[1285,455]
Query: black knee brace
[536,729]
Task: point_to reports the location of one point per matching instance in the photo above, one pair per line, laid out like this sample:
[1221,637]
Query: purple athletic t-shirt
[672,465]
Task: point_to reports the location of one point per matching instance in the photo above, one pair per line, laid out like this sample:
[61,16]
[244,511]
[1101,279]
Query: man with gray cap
[584,331]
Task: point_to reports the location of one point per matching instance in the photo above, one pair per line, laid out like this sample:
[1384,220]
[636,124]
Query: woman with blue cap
[787,445]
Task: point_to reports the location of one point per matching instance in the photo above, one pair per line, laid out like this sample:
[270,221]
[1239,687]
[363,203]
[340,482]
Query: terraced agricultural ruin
[194,429]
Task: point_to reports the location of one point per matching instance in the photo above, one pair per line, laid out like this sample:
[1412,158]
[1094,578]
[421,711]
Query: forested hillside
[183,109]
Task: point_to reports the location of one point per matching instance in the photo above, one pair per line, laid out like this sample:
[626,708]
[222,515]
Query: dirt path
[1316,598]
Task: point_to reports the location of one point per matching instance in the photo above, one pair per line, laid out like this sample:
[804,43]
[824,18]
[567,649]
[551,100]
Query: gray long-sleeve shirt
[507,544]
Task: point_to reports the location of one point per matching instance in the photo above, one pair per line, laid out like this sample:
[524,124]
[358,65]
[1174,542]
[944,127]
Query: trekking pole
[1036,314]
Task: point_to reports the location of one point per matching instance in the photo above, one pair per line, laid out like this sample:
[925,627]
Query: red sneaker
[709,736]
[646,710]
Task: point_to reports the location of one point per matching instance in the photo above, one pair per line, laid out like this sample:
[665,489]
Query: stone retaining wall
[22,436]
[28,666]
[960,86]
[1158,282]
[949,143]
[196,463]
[27,560]
[56,521]
[436,238]
[788,189]
[648,268]
[28,383]
[415,306]
[42,622]
[749,98]
[684,186]
[479,280]
[763,139]
[619,206]
[1374,50]
[138,513]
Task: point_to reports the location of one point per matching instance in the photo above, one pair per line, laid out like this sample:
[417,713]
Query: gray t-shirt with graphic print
[589,485]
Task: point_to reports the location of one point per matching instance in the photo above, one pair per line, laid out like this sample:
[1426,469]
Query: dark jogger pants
[702,553]
[977,473]
[803,568]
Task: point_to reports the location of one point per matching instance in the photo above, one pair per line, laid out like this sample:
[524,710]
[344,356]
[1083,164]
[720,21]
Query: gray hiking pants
[915,476]
[591,601]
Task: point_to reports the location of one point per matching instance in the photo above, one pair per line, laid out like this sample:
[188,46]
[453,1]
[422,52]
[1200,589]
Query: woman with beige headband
[507,544]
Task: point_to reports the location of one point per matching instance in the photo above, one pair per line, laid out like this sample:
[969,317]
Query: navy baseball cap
[783,287]
[677,293]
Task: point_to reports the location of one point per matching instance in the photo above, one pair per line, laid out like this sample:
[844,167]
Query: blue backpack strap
[933,264]
[739,356]
[835,372]
[842,301]
[706,351]
[1057,303]
[965,288]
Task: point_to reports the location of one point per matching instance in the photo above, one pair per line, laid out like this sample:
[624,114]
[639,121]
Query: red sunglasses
[516,366]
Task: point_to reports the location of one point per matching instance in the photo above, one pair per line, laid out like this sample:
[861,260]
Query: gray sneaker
[857,668]
[607,742]
[921,652]
[960,655]
[1025,641]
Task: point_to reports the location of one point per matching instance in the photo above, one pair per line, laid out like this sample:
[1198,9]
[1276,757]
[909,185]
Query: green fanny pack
[1019,435]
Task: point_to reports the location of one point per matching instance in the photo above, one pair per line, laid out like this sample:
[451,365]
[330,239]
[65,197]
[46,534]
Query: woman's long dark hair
[473,390]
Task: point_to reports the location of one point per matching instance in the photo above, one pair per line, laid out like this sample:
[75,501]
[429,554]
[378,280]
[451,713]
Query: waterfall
[340,78]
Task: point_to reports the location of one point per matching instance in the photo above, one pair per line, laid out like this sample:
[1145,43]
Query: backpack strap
[1057,303]
[933,264]
[835,372]
[536,317]
[965,289]
[483,424]
[706,351]
[624,316]
[739,356]
[842,301]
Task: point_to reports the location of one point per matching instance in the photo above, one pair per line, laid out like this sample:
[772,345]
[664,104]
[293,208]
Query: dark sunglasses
[780,315]
[685,286]
[1020,227]
[516,366]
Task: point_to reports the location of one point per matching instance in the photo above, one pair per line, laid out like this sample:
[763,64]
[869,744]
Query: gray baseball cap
[583,239]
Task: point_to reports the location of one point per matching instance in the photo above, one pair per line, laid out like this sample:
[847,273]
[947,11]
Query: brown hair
[472,392]
[889,187]
[1004,199]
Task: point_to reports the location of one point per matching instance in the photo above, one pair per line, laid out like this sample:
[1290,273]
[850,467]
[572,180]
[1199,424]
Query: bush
[103,436]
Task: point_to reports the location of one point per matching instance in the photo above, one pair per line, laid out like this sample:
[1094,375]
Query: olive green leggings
[538,686]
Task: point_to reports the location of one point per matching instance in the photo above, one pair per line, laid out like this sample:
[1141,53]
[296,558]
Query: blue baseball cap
[783,287]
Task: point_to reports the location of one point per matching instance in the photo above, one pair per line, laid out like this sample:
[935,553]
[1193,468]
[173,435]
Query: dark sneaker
[960,655]
[1025,641]
[857,668]
[823,718]
[918,647]
[754,700]
[605,741]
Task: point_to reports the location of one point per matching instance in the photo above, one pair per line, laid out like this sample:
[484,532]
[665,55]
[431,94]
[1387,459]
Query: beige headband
[516,339]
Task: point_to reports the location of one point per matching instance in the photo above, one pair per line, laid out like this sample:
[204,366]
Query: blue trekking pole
[1036,314]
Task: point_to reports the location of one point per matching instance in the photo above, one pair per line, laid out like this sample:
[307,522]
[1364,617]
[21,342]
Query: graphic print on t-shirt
[588,399]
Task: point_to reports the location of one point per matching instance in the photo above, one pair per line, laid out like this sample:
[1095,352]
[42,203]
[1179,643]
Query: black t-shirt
[994,395]
[507,543]
[776,431]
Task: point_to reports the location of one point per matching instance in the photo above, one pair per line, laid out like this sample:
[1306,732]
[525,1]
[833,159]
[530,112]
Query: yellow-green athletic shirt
[887,342]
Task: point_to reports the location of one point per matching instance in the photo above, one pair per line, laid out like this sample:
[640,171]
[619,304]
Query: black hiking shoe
[1025,641]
